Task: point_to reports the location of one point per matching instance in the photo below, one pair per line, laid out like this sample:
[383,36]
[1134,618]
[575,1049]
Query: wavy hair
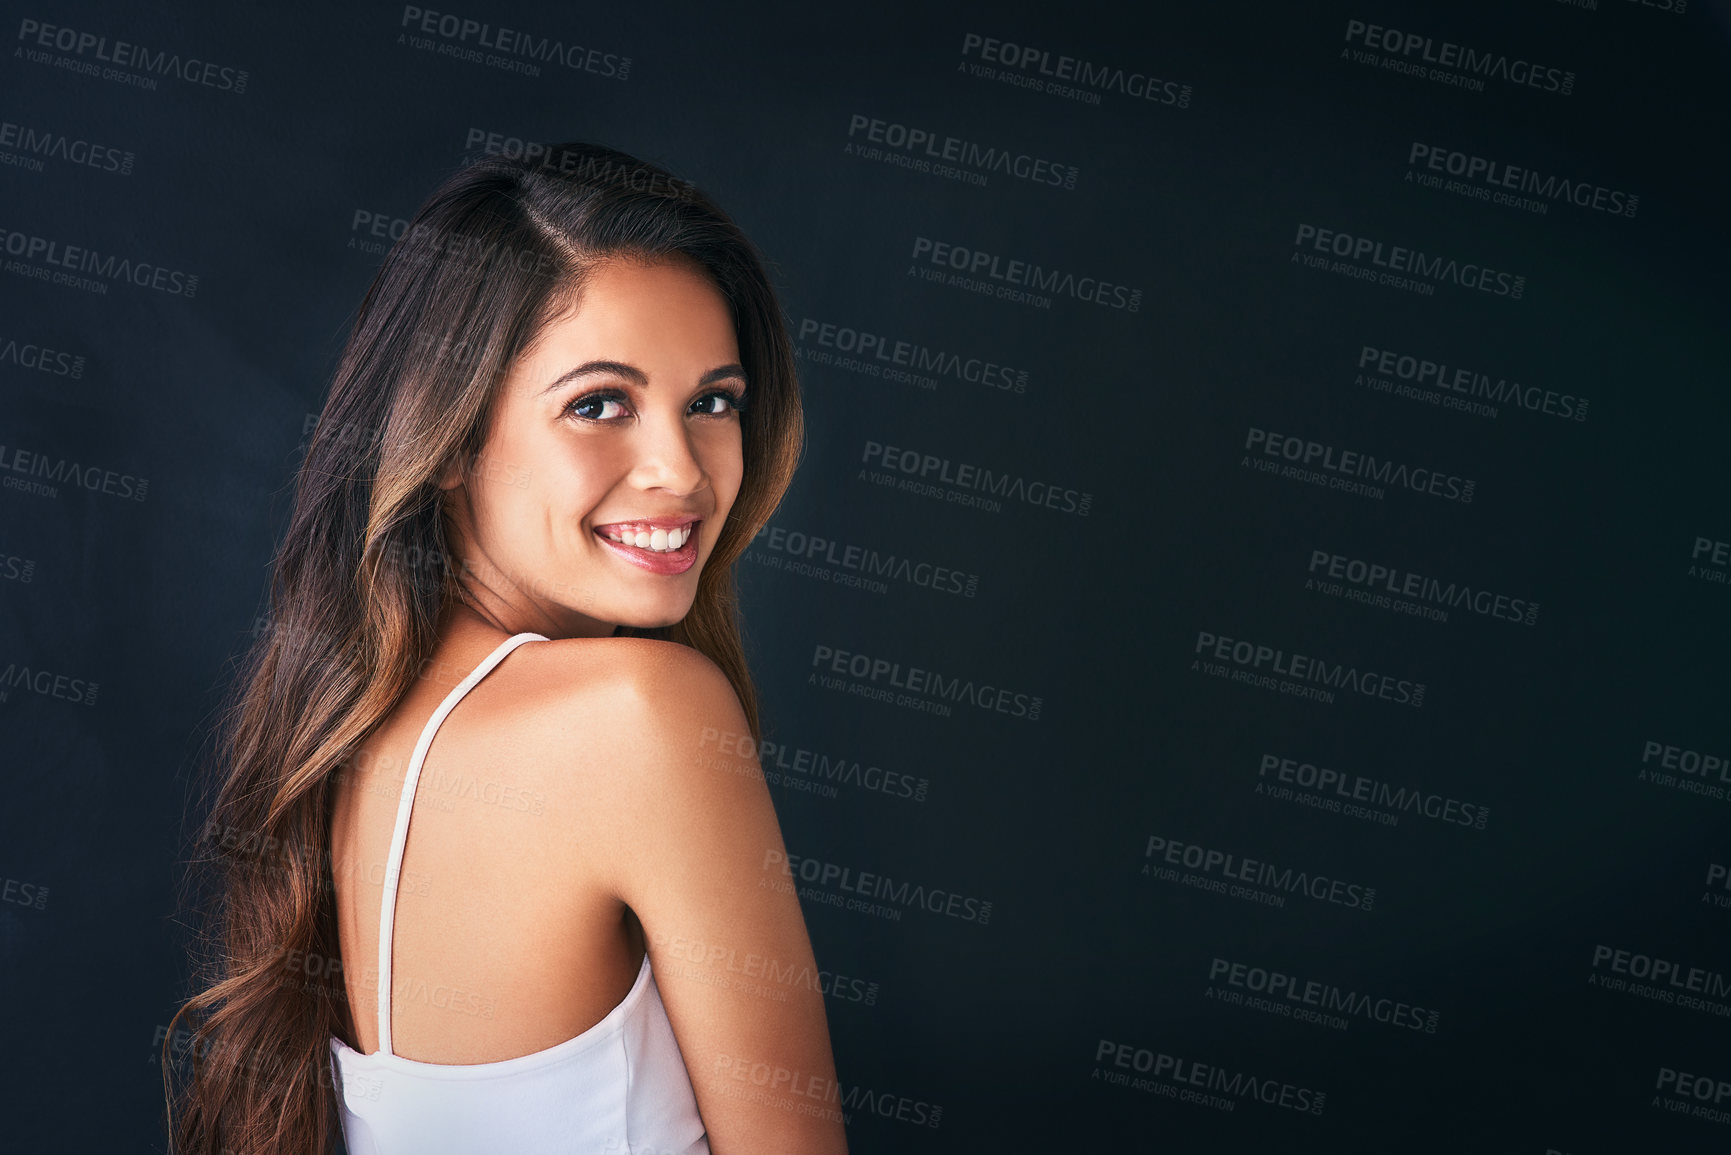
[363,574]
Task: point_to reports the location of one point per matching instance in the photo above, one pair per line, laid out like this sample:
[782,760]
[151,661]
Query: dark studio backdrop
[1245,655]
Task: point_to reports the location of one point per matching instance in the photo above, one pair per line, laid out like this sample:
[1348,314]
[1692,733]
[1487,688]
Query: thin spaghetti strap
[400,835]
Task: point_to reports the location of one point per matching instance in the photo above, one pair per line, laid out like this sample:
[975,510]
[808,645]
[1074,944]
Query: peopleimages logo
[17,569]
[601,170]
[505,48]
[1439,383]
[791,1090]
[963,483]
[1716,891]
[1498,183]
[52,260]
[996,275]
[1336,790]
[812,770]
[899,896]
[761,974]
[18,466]
[1680,768]
[47,684]
[970,161]
[1309,1000]
[880,355]
[1699,1096]
[23,893]
[1316,461]
[1398,266]
[1661,980]
[1355,579]
[1070,76]
[1216,870]
[930,690]
[857,565]
[372,231]
[1202,1084]
[41,358]
[93,50]
[1709,560]
[1244,661]
[1462,65]
[33,144]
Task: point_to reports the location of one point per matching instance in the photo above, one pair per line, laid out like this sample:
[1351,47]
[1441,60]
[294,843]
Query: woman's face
[610,439]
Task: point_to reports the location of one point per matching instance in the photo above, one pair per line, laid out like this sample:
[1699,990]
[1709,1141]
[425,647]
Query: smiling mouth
[650,539]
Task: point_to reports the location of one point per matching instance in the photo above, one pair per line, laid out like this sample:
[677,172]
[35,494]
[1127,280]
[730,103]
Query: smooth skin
[593,797]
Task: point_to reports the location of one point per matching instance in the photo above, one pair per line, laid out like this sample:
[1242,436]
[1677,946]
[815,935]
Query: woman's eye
[593,406]
[735,401]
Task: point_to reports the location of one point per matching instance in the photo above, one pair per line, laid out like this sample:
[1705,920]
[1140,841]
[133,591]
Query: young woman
[498,868]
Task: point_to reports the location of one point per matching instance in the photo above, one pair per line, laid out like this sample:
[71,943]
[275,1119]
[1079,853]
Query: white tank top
[619,1087]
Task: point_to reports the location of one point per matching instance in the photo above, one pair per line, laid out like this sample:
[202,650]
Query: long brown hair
[363,573]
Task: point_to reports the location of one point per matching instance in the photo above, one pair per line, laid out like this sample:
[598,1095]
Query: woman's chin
[656,622]
[651,617]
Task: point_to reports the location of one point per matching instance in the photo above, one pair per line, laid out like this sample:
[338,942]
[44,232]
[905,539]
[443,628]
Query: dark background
[136,607]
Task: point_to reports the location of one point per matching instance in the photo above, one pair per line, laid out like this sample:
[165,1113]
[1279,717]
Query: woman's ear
[453,475]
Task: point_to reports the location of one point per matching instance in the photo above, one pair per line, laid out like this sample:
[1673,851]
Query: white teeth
[656,541]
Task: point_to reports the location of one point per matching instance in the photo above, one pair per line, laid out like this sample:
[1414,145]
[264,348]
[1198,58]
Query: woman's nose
[667,457]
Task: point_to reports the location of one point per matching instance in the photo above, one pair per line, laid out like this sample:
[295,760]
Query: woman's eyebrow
[634,374]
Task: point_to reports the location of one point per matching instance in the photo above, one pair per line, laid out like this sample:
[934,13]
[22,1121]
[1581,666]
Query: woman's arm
[702,863]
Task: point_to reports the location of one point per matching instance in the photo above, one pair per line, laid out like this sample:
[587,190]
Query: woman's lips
[672,561]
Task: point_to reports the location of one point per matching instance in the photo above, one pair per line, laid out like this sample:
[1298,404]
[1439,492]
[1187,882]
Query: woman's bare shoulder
[575,668]
[631,739]
[653,712]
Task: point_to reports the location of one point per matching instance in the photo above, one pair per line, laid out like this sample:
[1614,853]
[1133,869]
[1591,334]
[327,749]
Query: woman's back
[524,1012]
